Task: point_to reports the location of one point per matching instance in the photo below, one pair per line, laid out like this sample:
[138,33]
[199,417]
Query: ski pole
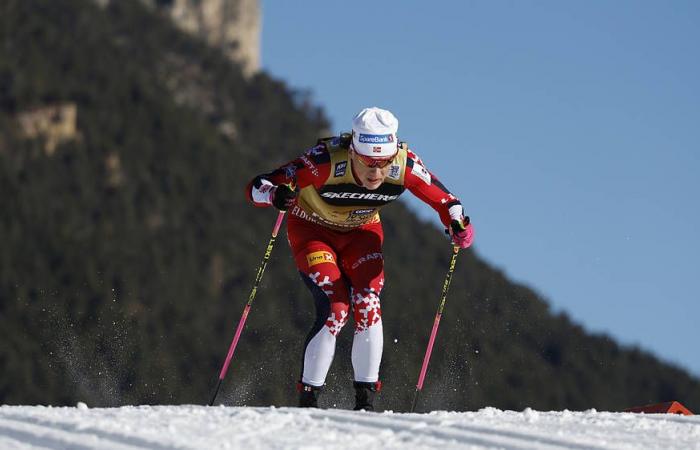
[436,323]
[246,310]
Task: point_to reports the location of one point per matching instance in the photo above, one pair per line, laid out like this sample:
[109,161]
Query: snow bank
[200,427]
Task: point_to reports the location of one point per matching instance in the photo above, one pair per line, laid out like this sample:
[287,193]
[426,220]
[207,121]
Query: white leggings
[367,347]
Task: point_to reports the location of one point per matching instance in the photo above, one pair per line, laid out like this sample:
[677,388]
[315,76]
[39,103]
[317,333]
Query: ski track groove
[190,427]
[438,424]
[460,436]
[381,433]
[8,443]
[244,438]
[501,437]
[45,438]
[635,429]
[66,432]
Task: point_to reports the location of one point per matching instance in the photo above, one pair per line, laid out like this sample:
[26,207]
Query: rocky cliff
[232,25]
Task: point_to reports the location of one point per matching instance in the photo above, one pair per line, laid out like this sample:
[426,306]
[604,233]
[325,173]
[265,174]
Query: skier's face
[370,173]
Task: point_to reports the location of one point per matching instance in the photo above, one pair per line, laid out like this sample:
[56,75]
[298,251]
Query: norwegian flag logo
[377,149]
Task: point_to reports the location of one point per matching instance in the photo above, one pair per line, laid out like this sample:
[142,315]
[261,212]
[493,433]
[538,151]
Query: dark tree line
[128,253]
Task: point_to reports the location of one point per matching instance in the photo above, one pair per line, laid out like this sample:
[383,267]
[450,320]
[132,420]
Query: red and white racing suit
[336,238]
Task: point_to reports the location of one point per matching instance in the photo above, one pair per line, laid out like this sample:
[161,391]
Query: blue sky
[570,130]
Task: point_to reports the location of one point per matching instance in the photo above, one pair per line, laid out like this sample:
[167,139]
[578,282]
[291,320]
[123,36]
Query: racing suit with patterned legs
[345,272]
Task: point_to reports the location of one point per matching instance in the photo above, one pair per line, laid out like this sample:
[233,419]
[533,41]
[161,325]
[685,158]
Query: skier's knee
[367,308]
[337,319]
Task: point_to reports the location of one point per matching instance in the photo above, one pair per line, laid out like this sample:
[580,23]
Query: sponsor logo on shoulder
[309,164]
[421,172]
[394,172]
[415,157]
[315,151]
[290,170]
[340,168]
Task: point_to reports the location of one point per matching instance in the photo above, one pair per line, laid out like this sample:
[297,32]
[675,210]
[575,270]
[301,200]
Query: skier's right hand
[462,232]
[283,196]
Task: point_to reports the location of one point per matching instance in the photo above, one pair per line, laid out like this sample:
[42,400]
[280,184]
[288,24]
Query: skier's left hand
[462,232]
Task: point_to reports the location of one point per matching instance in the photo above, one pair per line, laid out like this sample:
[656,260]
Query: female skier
[333,193]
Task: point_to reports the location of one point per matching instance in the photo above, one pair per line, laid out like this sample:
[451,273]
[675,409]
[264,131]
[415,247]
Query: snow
[201,427]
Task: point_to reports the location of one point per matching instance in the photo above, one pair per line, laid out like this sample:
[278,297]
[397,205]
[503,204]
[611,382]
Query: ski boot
[364,394]
[308,395]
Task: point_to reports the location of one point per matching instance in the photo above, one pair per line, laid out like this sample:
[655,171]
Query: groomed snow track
[199,427]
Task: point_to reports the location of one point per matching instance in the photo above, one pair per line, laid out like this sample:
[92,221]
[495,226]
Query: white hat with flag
[374,133]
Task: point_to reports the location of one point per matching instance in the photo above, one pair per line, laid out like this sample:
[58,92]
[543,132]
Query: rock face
[55,123]
[232,25]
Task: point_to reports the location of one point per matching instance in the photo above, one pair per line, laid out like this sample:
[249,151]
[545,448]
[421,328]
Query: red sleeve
[311,168]
[427,187]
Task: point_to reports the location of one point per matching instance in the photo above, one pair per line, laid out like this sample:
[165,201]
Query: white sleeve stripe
[456,212]
[263,193]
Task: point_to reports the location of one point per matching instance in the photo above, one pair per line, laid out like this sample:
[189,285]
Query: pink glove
[462,232]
